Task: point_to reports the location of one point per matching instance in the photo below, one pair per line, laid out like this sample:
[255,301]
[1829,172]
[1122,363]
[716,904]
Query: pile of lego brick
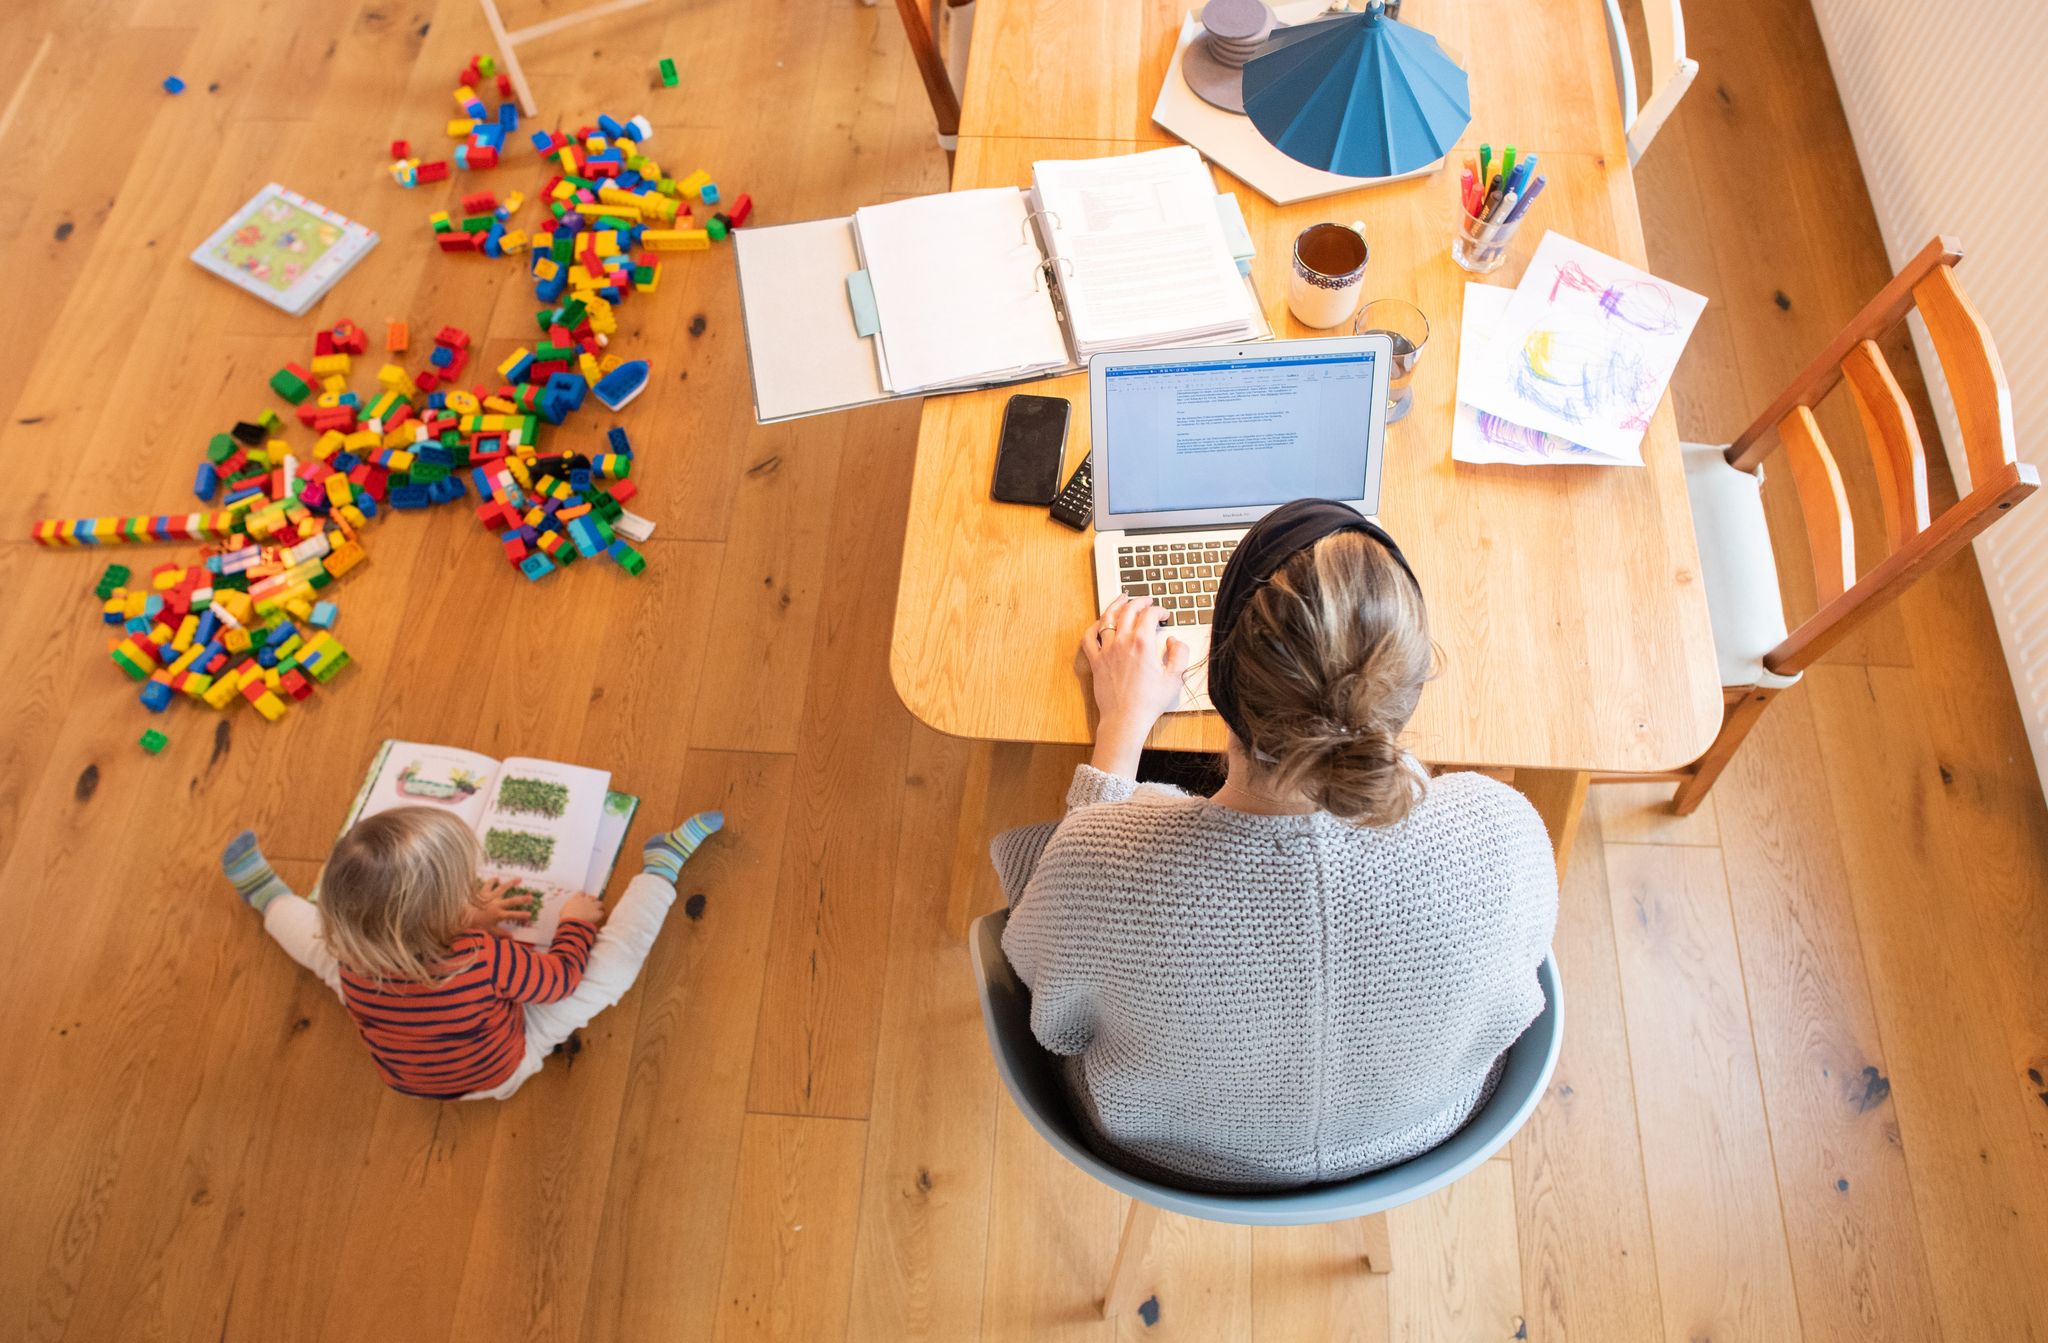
[611,212]
[250,618]
[481,132]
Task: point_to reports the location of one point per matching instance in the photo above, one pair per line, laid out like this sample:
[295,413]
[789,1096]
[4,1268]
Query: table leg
[1559,796]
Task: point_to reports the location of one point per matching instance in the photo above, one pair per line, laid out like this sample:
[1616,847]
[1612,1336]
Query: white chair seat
[1736,565]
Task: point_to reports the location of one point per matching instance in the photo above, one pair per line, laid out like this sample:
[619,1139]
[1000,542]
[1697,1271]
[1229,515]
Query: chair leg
[1126,1274]
[1379,1244]
[931,67]
[1737,719]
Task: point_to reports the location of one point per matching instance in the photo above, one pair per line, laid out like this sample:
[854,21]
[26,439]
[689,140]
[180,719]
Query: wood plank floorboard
[1801,1092]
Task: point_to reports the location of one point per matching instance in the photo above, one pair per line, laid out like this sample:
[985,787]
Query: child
[407,934]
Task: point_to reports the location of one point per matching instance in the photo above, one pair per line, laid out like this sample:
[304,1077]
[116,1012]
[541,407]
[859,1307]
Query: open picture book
[556,829]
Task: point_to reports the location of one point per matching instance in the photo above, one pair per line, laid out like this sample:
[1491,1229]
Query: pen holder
[1481,247]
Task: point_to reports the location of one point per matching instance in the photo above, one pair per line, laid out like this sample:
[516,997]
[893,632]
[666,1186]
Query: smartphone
[1028,455]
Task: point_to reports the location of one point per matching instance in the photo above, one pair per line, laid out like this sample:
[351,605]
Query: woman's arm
[1135,669]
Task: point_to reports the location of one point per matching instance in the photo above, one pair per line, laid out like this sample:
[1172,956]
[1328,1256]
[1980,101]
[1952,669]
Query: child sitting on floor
[407,934]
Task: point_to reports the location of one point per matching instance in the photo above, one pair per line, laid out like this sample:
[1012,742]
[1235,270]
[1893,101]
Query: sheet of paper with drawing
[554,828]
[1483,438]
[1584,349]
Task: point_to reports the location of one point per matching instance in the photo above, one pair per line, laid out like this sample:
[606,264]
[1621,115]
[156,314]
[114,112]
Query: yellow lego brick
[694,183]
[324,364]
[546,268]
[236,640]
[461,402]
[600,211]
[513,360]
[270,706]
[329,443]
[512,242]
[460,127]
[221,693]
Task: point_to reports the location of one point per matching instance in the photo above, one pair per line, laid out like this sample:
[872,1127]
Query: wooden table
[1566,601]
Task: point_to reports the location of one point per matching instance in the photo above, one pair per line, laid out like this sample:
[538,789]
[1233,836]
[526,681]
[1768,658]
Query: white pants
[615,960]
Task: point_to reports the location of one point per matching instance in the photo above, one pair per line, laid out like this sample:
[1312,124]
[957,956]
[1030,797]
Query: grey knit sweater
[1263,1001]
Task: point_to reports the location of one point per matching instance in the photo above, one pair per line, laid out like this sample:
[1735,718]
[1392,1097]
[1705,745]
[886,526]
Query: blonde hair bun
[1329,659]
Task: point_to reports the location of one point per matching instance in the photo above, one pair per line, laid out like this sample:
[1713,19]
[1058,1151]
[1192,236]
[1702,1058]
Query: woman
[1313,973]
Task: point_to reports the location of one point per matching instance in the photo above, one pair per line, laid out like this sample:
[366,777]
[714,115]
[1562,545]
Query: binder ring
[1024,225]
[1044,271]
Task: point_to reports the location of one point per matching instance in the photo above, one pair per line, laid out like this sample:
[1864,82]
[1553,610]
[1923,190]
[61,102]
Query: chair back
[1671,70]
[1914,541]
[1032,1077]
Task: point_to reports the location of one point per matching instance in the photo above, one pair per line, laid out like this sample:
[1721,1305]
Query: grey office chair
[1032,1078]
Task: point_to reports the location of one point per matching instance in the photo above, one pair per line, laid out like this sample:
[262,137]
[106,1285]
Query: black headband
[1272,541]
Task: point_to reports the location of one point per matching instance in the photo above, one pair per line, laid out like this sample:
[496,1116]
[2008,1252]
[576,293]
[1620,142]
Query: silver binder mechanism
[1045,278]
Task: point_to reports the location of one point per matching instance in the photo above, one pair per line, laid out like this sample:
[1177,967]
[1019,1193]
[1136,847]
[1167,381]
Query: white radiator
[1944,102]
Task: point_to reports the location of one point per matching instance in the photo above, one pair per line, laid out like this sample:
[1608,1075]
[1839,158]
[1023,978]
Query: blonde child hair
[398,890]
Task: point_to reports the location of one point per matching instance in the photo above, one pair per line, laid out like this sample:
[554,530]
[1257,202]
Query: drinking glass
[1480,247]
[1404,324]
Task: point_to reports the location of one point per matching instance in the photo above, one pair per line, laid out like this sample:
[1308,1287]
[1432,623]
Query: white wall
[1946,103]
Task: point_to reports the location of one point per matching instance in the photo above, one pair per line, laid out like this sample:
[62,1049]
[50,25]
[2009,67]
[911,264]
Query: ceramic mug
[1329,268]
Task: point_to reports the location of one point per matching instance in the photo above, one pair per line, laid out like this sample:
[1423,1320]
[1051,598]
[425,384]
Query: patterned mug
[1329,268]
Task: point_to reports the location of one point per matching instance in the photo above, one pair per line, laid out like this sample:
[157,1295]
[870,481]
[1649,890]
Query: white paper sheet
[958,289]
[1142,254]
[1584,350]
[1483,438]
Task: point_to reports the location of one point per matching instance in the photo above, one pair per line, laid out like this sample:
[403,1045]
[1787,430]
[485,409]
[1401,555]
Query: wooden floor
[1802,1091]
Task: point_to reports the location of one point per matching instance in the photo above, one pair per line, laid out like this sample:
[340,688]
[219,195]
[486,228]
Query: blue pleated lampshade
[1362,95]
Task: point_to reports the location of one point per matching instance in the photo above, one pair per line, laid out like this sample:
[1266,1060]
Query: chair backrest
[1671,70]
[1914,541]
[1032,1077]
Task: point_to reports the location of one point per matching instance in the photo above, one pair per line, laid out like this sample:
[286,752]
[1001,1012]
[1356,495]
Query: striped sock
[251,873]
[666,853]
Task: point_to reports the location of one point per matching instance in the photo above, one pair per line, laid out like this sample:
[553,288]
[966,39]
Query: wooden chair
[1671,70]
[1758,656]
[919,25]
[1033,1080]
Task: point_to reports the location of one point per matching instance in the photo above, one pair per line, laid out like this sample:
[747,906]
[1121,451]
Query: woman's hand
[1135,668]
[494,904]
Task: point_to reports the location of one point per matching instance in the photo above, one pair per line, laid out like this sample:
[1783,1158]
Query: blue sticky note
[860,292]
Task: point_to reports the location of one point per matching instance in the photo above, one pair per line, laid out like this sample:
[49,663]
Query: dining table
[1564,601]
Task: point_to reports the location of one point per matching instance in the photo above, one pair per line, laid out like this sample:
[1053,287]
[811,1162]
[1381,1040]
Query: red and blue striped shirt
[467,1032]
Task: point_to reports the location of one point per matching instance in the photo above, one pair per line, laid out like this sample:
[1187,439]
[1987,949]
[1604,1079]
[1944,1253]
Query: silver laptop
[1194,445]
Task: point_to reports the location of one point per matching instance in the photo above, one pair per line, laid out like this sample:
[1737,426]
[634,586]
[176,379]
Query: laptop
[1193,445]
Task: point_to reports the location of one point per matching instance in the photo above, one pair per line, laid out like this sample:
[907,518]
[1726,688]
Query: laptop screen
[1262,430]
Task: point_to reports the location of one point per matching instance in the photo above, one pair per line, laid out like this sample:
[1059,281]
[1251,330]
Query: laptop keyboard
[1179,575]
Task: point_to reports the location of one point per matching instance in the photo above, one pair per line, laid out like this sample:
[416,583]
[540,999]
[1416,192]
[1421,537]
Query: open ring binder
[806,355]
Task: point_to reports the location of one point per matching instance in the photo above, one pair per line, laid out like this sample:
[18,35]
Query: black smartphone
[1028,455]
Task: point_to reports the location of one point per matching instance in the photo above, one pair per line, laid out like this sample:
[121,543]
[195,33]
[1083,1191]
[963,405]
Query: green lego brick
[668,73]
[220,447]
[154,741]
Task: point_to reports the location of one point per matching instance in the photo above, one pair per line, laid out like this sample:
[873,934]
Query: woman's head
[1318,664]
[397,890]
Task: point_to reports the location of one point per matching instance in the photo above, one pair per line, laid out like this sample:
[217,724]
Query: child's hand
[585,907]
[493,904]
